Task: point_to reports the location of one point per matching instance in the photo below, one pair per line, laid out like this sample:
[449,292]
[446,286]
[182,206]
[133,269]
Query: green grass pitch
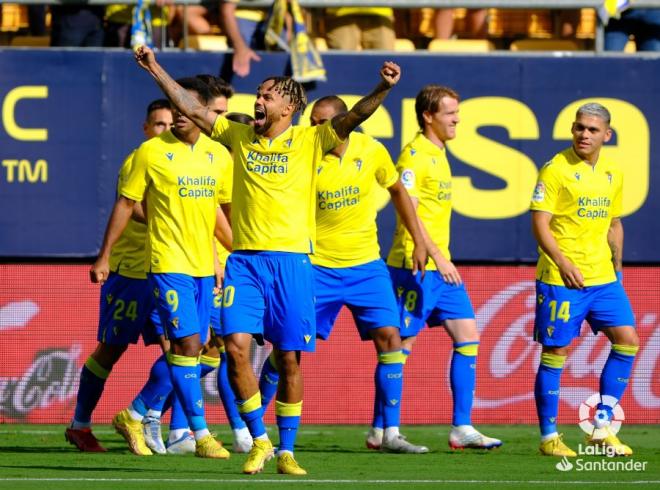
[37,457]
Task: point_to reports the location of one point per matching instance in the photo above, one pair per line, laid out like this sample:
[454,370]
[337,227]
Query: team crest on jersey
[539,192]
[288,143]
[399,291]
[308,338]
[412,152]
[408,178]
[318,170]
[540,298]
[169,156]
[175,322]
[609,177]
[433,161]
[115,330]
[156,292]
[551,330]
[210,156]
[109,298]
[406,321]
[358,164]
[577,176]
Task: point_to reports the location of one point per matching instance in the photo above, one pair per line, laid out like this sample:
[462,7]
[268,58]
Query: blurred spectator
[245,29]
[567,23]
[475,23]
[119,19]
[37,20]
[77,25]
[352,28]
[643,24]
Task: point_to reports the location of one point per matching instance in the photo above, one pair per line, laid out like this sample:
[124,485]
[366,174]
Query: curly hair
[287,86]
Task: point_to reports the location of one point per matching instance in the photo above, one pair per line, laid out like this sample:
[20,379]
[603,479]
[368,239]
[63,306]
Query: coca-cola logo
[511,357]
[51,378]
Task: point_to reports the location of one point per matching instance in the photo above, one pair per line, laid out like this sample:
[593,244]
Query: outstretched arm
[343,124]
[201,115]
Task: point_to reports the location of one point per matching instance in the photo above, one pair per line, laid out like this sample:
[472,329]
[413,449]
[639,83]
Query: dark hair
[217,86]
[157,105]
[428,99]
[195,84]
[338,104]
[239,117]
[287,86]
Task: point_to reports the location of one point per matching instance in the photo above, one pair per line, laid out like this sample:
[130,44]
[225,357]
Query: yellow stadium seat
[30,41]
[544,45]
[461,45]
[203,42]
[631,47]
[13,17]
[404,45]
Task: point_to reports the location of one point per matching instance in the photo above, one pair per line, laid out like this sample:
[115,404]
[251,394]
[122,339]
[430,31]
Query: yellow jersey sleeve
[386,173]
[136,178]
[546,192]
[617,199]
[128,253]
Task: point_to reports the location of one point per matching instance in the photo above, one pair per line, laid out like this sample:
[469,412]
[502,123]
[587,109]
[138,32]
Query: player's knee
[288,363]
[386,339]
[237,354]
[557,351]
[107,355]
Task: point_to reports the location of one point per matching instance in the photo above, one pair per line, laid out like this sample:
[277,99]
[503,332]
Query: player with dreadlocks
[268,288]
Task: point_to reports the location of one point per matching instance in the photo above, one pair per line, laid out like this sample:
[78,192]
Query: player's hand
[420,257]
[219,279]
[448,271]
[100,271]
[241,61]
[145,57]
[390,73]
[571,275]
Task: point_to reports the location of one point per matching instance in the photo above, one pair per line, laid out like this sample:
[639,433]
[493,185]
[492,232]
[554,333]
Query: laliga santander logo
[596,422]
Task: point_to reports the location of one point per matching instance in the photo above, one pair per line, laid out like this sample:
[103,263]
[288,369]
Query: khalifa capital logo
[599,422]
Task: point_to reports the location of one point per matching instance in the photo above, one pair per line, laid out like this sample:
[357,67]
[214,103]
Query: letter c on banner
[9,111]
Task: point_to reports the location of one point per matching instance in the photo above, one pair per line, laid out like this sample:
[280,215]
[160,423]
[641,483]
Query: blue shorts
[270,295]
[126,312]
[184,303]
[365,289]
[560,311]
[431,300]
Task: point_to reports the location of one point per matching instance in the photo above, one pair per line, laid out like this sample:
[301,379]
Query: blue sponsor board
[69,118]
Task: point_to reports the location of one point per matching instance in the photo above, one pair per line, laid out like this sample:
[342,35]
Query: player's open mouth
[259,116]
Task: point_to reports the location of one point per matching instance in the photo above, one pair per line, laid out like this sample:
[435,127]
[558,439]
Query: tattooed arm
[615,241]
[366,106]
[202,116]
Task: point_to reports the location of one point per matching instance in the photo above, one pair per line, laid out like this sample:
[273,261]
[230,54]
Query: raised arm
[201,115]
[404,207]
[366,106]
[569,272]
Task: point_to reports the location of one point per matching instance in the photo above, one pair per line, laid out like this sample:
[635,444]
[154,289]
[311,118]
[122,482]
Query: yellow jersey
[127,255]
[425,173]
[346,202]
[225,198]
[379,11]
[182,185]
[582,199]
[274,181]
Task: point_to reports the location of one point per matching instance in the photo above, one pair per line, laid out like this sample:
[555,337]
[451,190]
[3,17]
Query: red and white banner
[48,323]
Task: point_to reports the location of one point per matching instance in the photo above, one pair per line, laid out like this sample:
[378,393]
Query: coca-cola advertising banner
[48,323]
